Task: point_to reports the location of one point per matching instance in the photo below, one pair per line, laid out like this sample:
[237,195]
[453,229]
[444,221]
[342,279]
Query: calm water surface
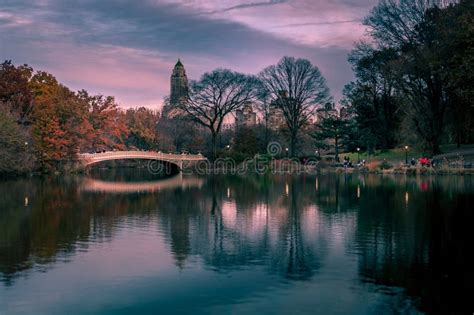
[336,244]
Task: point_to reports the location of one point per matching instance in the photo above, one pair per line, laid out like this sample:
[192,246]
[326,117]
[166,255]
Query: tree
[373,96]
[58,121]
[177,131]
[15,93]
[15,110]
[396,23]
[409,27]
[15,155]
[105,124]
[296,88]
[245,141]
[264,107]
[455,29]
[141,123]
[215,96]
[335,129]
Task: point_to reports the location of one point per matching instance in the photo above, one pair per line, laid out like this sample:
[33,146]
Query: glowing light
[358,191]
[287,189]
[407,197]
[26,201]
[317,184]
[228,192]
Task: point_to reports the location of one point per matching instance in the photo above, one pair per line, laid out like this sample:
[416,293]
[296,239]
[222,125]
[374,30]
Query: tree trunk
[293,145]
[214,145]
[266,136]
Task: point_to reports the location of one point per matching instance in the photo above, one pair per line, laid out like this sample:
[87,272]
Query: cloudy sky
[128,48]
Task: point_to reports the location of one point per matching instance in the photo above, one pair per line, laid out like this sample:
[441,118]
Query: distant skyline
[127,49]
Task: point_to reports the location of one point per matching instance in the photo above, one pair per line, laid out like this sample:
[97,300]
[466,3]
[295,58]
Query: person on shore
[424,161]
[413,162]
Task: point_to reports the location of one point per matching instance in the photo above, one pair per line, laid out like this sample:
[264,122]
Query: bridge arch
[168,162]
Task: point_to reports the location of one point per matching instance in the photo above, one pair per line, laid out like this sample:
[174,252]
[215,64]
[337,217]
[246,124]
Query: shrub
[384,165]
[372,166]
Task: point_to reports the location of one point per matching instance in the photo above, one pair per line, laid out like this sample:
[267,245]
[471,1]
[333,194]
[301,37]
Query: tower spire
[179,84]
[179,63]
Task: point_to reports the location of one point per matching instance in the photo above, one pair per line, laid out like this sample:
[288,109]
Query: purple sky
[128,48]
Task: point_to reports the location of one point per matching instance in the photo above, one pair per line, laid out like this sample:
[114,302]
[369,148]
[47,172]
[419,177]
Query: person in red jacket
[424,161]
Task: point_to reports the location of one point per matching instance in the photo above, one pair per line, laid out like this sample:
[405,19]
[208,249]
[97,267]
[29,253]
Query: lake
[127,243]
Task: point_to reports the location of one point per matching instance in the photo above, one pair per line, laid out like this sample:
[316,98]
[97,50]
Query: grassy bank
[397,155]
[404,171]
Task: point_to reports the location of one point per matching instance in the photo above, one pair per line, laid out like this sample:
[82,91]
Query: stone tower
[179,85]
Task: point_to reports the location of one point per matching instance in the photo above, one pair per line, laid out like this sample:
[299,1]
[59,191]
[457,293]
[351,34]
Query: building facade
[328,110]
[179,89]
[276,118]
[246,117]
[178,85]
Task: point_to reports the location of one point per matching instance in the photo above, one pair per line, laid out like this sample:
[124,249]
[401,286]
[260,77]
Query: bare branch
[296,87]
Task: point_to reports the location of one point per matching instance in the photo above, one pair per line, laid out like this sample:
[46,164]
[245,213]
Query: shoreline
[304,170]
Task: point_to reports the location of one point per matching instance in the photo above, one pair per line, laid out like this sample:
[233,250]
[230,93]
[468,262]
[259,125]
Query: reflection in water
[337,244]
[90,184]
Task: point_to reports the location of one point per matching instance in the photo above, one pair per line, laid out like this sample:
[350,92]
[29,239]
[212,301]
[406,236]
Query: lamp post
[286,152]
[358,155]
[406,155]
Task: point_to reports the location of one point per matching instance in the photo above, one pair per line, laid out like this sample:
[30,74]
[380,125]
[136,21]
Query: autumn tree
[58,121]
[15,92]
[296,87]
[215,96]
[141,123]
[105,124]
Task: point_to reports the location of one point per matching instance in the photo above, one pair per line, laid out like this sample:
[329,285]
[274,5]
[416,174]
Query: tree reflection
[285,224]
[424,247]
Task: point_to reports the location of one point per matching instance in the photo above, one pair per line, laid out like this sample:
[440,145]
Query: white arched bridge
[178,160]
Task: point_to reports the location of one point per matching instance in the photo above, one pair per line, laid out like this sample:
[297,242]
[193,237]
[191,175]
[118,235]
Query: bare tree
[395,23]
[216,95]
[264,107]
[296,88]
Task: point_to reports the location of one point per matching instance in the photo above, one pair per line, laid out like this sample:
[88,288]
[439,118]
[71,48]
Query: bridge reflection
[96,185]
[298,228]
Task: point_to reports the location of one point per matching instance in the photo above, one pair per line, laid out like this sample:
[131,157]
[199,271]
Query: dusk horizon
[128,49]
